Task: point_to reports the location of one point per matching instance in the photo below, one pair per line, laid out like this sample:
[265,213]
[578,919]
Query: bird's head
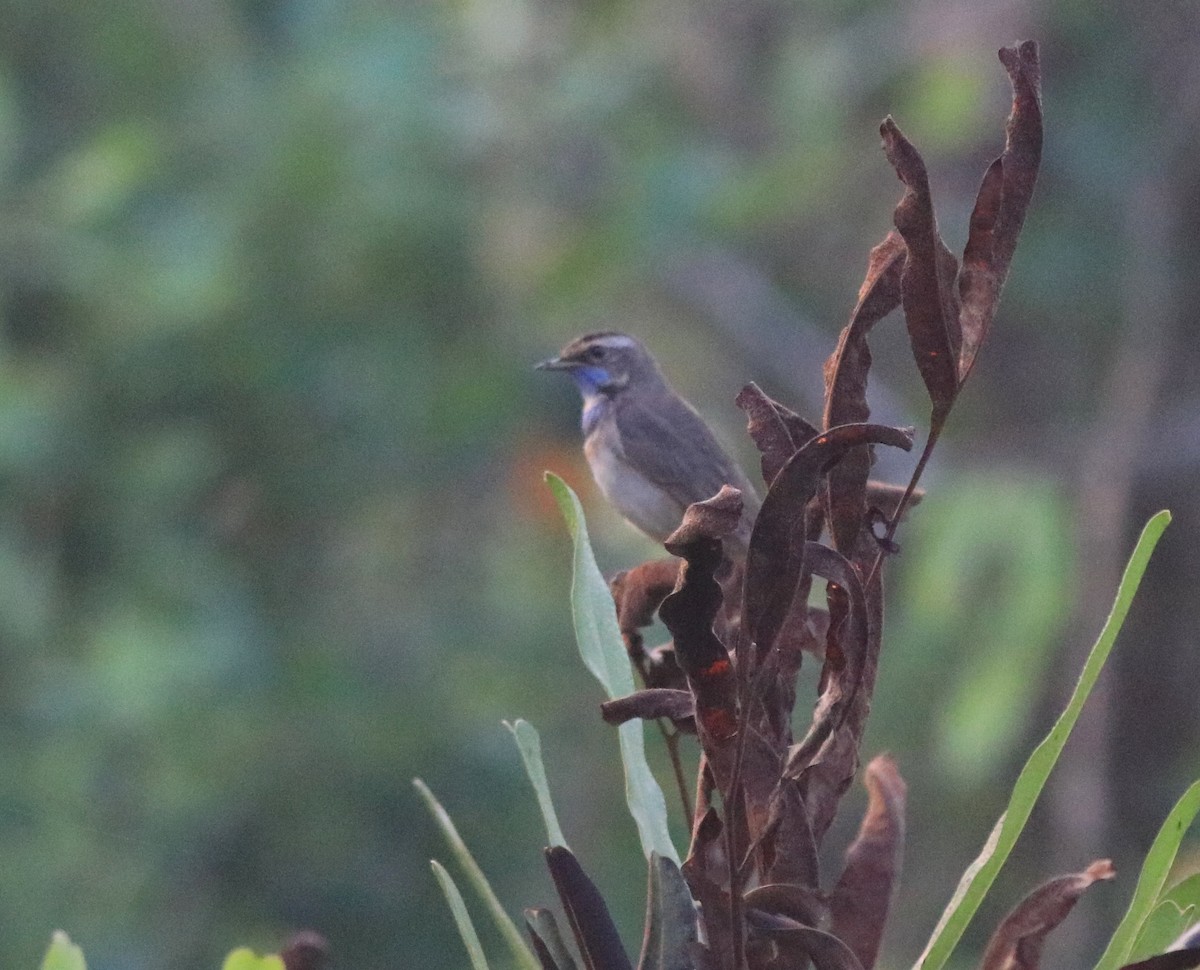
[605,363]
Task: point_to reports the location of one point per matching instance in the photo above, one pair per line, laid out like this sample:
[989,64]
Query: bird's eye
[596,352]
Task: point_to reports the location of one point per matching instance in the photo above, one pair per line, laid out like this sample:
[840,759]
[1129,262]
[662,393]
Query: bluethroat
[649,450]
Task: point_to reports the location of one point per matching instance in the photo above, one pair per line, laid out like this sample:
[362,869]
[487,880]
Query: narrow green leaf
[243,958]
[670,919]
[980,875]
[462,919]
[1185,893]
[544,926]
[1153,876]
[508,929]
[529,743]
[603,653]
[1160,929]
[62,954]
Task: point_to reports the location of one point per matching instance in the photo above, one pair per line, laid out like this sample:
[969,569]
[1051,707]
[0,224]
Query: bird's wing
[669,443]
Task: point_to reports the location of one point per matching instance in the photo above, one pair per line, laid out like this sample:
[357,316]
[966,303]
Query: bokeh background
[273,536]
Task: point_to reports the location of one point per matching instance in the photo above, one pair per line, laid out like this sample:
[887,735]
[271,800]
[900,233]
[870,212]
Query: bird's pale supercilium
[649,450]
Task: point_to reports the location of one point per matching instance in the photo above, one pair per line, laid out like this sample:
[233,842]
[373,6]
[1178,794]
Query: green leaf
[1185,893]
[63,954]
[544,926]
[603,653]
[1153,876]
[462,919]
[244,958]
[529,743]
[1160,929]
[508,929]
[670,919]
[592,608]
[980,875]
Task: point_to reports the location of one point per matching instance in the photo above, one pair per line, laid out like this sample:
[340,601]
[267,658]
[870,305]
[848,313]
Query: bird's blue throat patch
[591,380]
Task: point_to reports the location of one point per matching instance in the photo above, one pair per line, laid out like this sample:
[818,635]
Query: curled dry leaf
[927,284]
[845,653]
[707,522]
[788,850]
[648,705]
[637,593]
[795,940]
[803,904]
[1001,204]
[803,632]
[775,558]
[860,901]
[828,777]
[690,610]
[660,669]
[777,431]
[886,497]
[1017,942]
[846,373]
[760,768]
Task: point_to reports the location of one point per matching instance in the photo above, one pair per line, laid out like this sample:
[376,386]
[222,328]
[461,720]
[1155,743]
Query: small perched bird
[650,452]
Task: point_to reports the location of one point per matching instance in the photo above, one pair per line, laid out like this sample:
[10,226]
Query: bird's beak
[554,363]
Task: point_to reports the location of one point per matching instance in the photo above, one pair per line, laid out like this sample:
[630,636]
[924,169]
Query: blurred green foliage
[273,538]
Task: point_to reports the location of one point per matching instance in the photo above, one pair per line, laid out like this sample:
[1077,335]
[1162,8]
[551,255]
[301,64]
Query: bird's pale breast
[640,501]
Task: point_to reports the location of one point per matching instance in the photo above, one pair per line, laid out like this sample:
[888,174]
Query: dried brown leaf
[690,610]
[1001,205]
[788,850]
[761,765]
[660,670]
[846,373]
[927,284]
[803,632]
[860,900]
[845,653]
[885,497]
[1017,942]
[707,521]
[804,904]
[777,431]
[825,950]
[775,558]
[638,591]
[648,705]
[706,871]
